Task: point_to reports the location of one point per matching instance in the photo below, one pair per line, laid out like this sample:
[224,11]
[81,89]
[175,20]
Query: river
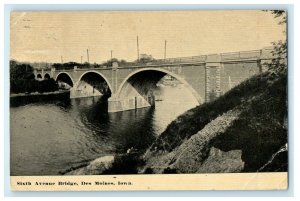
[52,136]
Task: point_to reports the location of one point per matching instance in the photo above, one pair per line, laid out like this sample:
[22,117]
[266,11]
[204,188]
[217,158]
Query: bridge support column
[116,104]
[218,81]
[35,73]
[43,74]
[114,75]
[207,83]
[83,89]
[212,84]
[73,91]
[52,73]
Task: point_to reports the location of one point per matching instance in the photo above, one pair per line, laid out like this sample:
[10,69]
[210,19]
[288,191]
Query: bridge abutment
[207,83]
[212,77]
[218,80]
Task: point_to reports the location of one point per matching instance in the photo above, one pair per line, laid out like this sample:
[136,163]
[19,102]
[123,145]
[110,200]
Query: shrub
[30,86]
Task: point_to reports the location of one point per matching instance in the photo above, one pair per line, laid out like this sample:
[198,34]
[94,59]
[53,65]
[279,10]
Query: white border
[295,92]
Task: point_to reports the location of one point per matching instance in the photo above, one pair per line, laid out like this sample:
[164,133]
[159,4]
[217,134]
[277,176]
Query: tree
[279,63]
[12,63]
[145,58]
[109,63]
[22,80]
[280,14]
[20,71]
[86,65]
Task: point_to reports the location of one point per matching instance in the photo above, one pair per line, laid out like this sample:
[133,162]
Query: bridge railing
[267,52]
[192,59]
[178,60]
[241,55]
[250,54]
[254,54]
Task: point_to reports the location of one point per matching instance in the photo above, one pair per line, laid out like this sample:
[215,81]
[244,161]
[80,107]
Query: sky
[52,36]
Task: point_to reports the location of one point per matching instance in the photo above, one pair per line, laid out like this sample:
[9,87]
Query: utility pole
[87,53]
[111,54]
[61,58]
[138,50]
[165,56]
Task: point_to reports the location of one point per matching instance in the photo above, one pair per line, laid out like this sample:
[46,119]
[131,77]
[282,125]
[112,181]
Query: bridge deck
[230,57]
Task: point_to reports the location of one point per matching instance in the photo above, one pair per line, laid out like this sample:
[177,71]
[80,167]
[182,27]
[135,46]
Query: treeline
[70,65]
[144,59]
[32,85]
[22,80]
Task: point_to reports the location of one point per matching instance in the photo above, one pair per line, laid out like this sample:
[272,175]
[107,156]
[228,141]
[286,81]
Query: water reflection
[51,135]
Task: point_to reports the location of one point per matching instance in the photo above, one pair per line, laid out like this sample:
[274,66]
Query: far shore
[38,94]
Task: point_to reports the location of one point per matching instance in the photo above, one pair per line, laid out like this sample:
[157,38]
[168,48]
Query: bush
[30,86]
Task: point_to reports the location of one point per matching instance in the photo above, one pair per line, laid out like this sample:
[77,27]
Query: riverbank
[245,130]
[27,98]
[239,132]
[38,94]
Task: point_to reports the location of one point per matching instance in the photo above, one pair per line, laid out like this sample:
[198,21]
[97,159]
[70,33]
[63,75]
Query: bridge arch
[164,72]
[65,77]
[39,76]
[91,72]
[47,76]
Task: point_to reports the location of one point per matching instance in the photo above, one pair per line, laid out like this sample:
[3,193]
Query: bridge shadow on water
[72,132]
[126,129]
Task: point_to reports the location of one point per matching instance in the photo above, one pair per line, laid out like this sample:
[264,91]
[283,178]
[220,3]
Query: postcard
[148,100]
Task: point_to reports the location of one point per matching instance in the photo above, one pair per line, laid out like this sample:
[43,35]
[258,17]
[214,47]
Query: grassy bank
[244,130]
[257,131]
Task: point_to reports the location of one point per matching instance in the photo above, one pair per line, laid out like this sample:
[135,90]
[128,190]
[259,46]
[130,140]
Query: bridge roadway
[130,87]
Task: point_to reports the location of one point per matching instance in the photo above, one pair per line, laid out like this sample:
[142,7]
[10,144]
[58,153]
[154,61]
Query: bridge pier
[117,104]
[207,83]
[218,80]
[212,77]
[83,89]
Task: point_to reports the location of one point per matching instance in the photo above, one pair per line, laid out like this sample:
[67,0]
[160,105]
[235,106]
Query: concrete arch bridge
[131,87]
